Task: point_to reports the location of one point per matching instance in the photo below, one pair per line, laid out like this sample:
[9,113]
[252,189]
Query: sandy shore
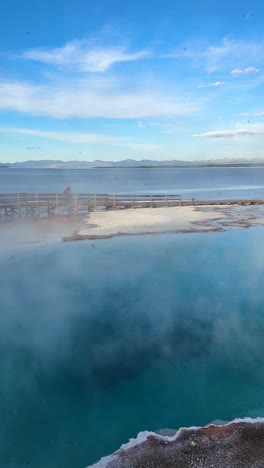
[175,219]
[106,224]
[187,219]
[147,220]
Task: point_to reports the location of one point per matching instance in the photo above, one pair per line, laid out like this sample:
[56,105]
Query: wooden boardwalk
[43,204]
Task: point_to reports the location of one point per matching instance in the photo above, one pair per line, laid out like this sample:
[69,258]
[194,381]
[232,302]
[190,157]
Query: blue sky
[112,79]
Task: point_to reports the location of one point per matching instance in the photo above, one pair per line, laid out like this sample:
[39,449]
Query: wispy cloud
[216,84]
[245,71]
[142,146]
[82,56]
[228,51]
[84,99]
[248,14]
[188,98]
[67,137]
[230,133]
[168,128]
[248,114]
[221,55]
[79,138]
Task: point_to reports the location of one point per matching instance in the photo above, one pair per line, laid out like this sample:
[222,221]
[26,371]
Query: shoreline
[99,225]
[237,443]
[146,221]
[172,220]
[78,237]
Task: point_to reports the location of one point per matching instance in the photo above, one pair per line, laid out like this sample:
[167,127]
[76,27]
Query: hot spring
[103,339]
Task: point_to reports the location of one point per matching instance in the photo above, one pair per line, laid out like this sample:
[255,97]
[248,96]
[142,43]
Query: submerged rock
[238,444]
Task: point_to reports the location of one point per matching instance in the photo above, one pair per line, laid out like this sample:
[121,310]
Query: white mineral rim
[143,436]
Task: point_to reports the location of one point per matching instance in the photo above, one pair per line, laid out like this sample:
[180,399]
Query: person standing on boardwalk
[67,190]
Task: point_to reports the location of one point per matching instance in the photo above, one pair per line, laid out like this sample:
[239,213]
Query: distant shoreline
[187,166]
[191,166]
[135,163]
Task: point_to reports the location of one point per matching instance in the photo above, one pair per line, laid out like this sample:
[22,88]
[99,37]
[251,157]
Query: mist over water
[140,333]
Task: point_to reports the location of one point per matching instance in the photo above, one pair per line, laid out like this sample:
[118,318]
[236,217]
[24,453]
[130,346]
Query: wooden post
[151,201]
[95,202]
[57,202]
[69,205]
[114,203]
[193,201]
[37,203]
[26,204]
[180,201]
[88,203]
[76,203]
[18,205]
[133,201]
[166,201]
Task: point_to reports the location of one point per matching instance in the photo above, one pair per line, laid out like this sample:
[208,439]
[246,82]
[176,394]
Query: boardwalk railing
[37,204]
[43,204]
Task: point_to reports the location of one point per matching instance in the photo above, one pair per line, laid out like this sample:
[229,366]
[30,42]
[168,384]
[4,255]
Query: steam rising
[135,334]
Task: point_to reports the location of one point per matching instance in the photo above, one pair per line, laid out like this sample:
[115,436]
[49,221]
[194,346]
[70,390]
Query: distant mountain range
[130,163]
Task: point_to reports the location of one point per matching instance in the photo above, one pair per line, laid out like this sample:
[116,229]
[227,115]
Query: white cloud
[238,71]
[216,84]
[76,137]
[84,99]
[81,56]
[230,133]
[140,124]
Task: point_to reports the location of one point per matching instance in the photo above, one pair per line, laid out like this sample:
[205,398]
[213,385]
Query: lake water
[140,333]
[215,183]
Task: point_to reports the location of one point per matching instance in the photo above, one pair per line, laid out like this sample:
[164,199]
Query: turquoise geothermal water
[100,340]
